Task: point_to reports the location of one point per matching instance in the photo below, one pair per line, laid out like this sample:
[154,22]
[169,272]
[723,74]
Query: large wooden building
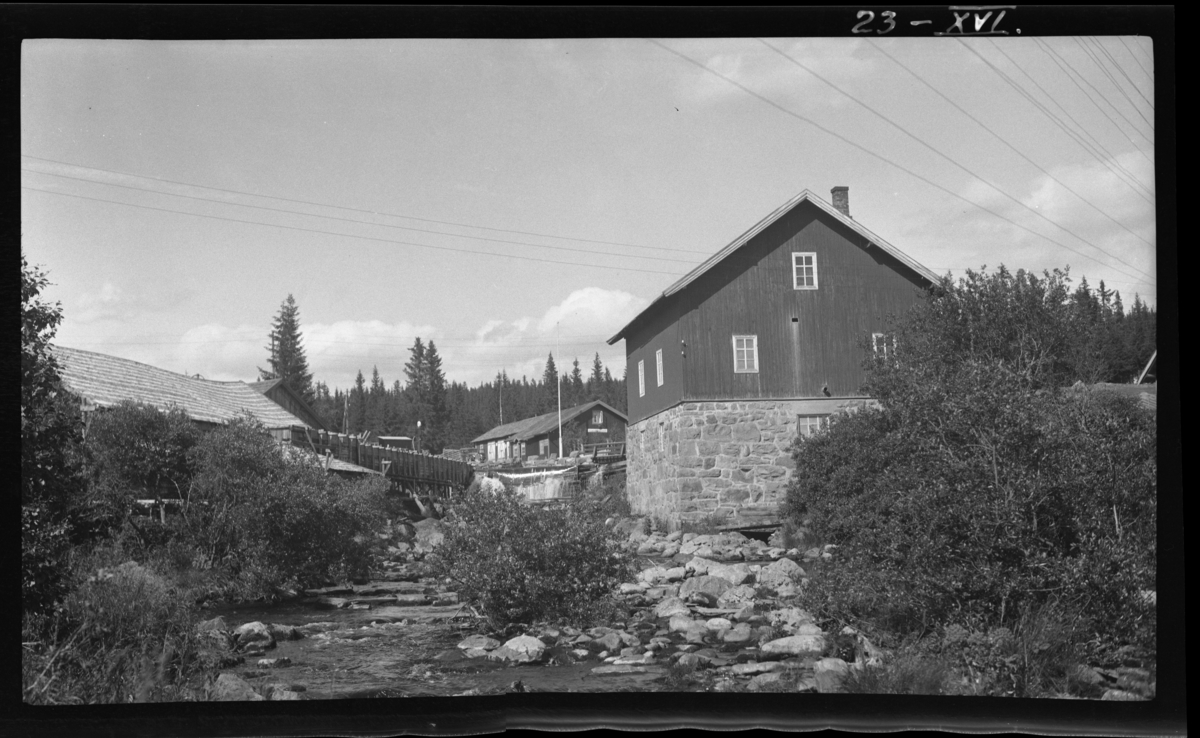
[759,343]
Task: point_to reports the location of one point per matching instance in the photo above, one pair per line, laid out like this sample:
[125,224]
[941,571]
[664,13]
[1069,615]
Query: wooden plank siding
[807,339]
[661,331]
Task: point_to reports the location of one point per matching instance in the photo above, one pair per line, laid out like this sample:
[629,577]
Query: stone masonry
[728,460]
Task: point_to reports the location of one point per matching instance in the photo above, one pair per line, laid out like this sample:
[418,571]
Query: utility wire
[1064,66]
[1054,119]
[903,130]
[1121,69]
[1082,129]
[1002,140]
[1100,65]
[347,235]
[870,153]
[360,210]
[1136,60]
[349,220]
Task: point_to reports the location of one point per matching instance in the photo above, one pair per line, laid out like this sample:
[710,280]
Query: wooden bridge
[415,474]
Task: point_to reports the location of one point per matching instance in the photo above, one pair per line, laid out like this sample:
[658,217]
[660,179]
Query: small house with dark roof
[761,342]
[591,423]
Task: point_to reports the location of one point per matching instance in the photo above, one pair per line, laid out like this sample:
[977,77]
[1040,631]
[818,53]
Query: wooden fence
[409,471]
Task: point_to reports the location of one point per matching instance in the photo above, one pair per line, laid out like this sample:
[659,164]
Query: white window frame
[753,348]
[658,361]
[886,343]
[641,378]
[597,417]
[808,425]
[796,255]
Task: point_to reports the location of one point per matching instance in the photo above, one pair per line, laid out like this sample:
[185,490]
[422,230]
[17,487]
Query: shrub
[523,563]
[123,634]
[979,492]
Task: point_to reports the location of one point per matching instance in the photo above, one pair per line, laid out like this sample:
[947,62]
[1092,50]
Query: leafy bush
[980,490]
[524,563]
[123,634]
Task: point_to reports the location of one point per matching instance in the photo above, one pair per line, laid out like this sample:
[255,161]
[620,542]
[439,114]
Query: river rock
[253,634]
[478,641]
[740,633]
[679,623]
[275,663]
[718,624]
[522,650]
[712,586]
[800,645]
[670,606]
[652,575]
[780,574]
[830,674]
[698,565]
[737,597]
[284,632]
[789,618]
[232,688]
[735,574]
[764,681]
[755,667]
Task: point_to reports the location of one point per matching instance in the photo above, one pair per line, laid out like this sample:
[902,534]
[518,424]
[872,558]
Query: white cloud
[577,327]
[110,303]
[971,237]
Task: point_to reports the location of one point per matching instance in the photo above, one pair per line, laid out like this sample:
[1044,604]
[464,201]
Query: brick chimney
[841,199]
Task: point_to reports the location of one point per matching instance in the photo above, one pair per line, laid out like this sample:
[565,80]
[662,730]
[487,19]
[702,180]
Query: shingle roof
[109,380]
[742,240]
[523,430]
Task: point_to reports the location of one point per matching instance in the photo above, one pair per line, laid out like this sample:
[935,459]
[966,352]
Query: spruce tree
[575,397]
[550,386]
[595,383]
[287,360]
[433,436]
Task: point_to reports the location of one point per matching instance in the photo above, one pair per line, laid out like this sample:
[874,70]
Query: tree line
[450,414]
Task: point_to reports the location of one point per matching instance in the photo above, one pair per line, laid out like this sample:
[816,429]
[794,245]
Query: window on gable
[597,417]
[807,425]
[658,360]
[641,379]
[804,270]
[745,354]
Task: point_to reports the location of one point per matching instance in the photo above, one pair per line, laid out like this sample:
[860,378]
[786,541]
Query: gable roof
[523,430]
[760,226]
[106,381]
[266,386]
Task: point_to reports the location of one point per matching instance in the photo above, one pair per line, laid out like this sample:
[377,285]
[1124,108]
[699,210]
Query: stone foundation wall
[728,460]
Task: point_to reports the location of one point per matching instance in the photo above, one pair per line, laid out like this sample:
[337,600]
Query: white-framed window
[745,354]
[807,425]
[883,345]
[641,378]
[658,361]
[804,270]
[597,417]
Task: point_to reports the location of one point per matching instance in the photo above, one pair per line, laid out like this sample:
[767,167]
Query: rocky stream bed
[707,613]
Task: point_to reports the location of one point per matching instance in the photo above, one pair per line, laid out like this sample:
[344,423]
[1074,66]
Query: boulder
[740,633]
[737,598]
[764,681]
[278,663]
[680,623]
[284,632]
[521,650]
[478,641]
[718,624]
[781,573]
[789,618]
[669,607]
[653,574]
[830,674]
[801,645]
[735,574]
[754,667]
[232,688]
[253,634]
[698,565]
[676,573]
[710,585]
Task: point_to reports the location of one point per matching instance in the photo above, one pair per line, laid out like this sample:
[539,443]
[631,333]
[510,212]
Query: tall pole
[557,379]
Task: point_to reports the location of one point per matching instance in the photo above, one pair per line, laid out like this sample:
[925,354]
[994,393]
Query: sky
[508,199]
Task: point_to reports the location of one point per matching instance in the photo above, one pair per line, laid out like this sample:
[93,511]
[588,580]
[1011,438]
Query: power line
[1054,119]
[947,158]
[345,220]
[1100,65]
[1121,69]
[360,210]
[347,235]
[1002,140]
[881,158]
[1082,129]
[1136,60]
[1058,60]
